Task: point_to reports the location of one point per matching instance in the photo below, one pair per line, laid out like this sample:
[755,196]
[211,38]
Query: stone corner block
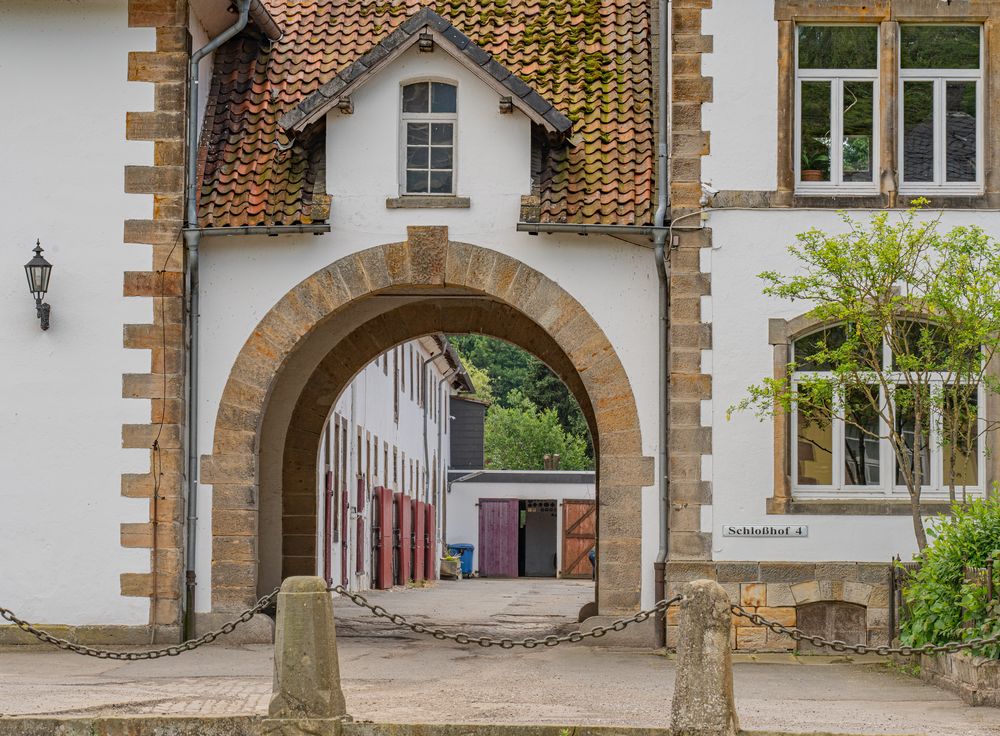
[628,470]
[808,592]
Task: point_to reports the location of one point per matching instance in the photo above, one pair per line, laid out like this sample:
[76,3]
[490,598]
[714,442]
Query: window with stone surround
[429,117]
[840,461]
[941,146]
[836,104]
[844,448]
[929,118]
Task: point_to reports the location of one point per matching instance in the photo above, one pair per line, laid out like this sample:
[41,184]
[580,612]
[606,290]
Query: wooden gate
[430,546]
[419,540]
[498,519]
[359,553]
[383,532]
[404,539]
[579,537]
[329,499]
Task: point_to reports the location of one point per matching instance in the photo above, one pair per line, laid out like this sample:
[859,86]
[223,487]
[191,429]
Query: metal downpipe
[192,239]
[663,296]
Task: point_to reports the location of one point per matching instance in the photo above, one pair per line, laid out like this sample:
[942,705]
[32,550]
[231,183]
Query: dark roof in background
[590,60]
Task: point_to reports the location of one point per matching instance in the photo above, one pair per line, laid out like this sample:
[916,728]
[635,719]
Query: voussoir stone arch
[442,286]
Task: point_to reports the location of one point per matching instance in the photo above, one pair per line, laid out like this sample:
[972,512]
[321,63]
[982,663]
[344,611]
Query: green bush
[937,596]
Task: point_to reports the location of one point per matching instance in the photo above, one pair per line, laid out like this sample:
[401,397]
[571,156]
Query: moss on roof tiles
[590,58]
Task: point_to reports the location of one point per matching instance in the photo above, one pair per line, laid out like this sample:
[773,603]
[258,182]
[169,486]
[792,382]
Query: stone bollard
[703,689]
[306,669]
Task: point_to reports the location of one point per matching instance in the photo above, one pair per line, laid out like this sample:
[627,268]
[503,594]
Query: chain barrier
[882,651]
[504,643]
[597,632]
[171,651]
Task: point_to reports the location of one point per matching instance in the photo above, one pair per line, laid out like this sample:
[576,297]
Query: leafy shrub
[938,597]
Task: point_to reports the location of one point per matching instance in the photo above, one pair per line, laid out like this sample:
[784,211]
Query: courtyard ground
[396,677]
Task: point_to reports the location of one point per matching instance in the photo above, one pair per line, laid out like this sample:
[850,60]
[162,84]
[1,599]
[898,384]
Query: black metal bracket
[43,310]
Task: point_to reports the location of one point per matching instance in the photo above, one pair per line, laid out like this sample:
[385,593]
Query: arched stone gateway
[310,345]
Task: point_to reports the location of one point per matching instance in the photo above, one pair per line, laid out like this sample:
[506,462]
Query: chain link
[171,651]
[842,646]
[504,643]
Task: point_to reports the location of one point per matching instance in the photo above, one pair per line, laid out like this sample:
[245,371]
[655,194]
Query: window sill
[841,200]
[852,507]
[421,202]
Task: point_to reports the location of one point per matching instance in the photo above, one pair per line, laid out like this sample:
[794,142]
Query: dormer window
[429,115]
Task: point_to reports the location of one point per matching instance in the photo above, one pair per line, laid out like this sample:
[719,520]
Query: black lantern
[38,271]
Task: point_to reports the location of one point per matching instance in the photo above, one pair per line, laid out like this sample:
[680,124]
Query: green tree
[933,301]
[511,368]
[481,381]
[519,436]
[507,365]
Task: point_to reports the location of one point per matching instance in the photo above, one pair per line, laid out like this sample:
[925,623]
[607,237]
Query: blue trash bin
[464,553]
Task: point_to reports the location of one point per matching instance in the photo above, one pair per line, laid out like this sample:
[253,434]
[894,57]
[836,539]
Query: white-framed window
[941,108]
[836,109]
[843,450]
[429,114]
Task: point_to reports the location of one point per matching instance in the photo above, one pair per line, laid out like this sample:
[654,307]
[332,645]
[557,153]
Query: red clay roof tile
[590,58]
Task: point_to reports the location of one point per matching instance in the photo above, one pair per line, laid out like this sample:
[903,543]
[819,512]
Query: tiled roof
[589,58]
[536,107]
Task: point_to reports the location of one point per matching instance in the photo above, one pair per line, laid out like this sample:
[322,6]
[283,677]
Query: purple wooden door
[498,537]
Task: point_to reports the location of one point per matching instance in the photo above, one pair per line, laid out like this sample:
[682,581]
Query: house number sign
[764,530]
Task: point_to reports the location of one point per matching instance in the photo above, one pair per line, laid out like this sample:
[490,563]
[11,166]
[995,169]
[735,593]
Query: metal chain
[504,643]
[171,651]
[841,646]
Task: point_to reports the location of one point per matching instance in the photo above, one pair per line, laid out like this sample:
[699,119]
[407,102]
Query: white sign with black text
[764,530]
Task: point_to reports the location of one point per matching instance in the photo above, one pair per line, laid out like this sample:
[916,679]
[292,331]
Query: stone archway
[343,316]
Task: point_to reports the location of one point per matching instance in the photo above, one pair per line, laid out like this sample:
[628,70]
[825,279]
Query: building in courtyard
[382,469]
[246,204]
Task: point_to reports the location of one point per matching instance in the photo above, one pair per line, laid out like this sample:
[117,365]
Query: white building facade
[371,188]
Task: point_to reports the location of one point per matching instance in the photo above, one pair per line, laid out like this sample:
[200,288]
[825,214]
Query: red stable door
[329,499]
[359,540]
[419,540]
[430,545]
[404,570]
[498,526]
[345,504]
[383,514]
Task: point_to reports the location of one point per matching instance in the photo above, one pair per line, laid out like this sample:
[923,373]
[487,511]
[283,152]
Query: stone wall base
[258,630]
[779,590]
[92,635]
[975,679]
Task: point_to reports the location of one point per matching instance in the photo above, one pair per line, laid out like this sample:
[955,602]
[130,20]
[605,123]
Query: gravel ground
[392,678]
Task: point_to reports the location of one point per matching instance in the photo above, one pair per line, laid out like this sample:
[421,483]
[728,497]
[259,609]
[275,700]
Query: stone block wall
[163,386]
[779,591]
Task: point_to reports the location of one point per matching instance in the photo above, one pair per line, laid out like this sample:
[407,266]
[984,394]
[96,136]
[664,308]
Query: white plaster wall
[745,244]
[742,117]
[63,72]
[368,403]
[243,277]
[463,508]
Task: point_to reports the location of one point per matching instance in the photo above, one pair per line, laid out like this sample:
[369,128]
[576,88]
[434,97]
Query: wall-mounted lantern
[38,271]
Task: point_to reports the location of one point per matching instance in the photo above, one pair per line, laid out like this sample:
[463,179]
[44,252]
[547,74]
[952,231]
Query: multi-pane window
[836,108]
[940,69]
[428,157]
[841,441]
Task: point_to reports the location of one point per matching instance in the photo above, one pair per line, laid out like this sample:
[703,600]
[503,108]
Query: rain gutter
[663,342]
[192,238]
[270,230]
